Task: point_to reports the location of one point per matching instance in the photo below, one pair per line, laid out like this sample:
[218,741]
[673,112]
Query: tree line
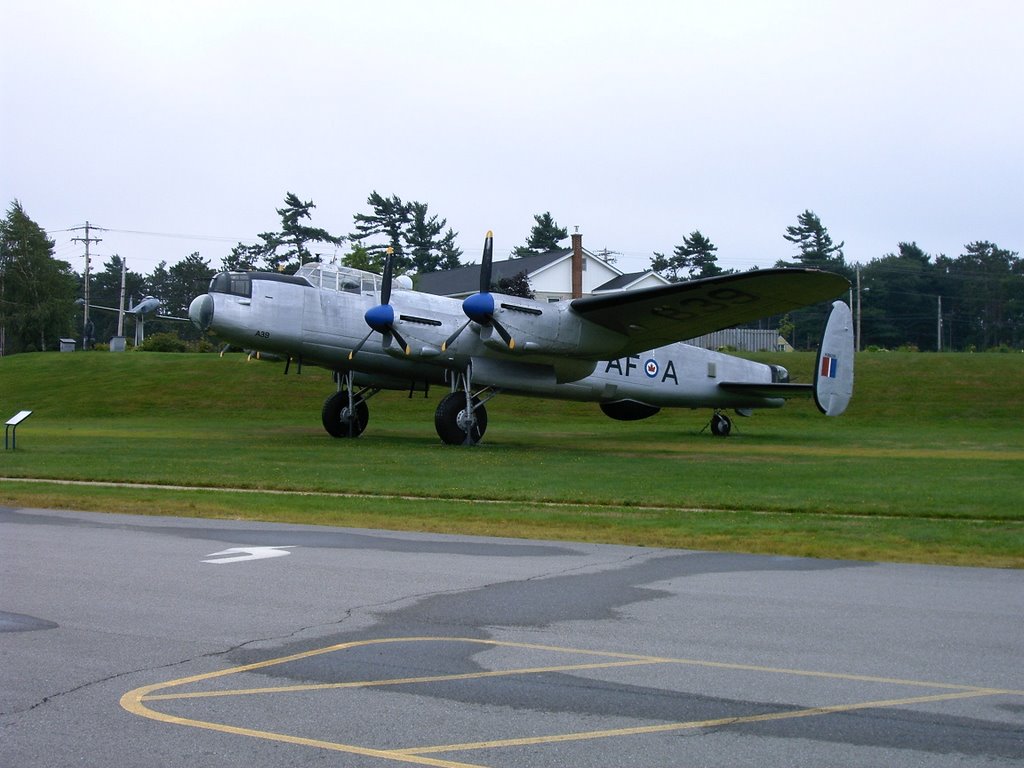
[906,299]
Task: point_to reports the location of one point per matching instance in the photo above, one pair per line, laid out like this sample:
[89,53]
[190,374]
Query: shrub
[164,342]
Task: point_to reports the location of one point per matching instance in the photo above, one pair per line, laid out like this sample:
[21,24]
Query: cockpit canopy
[235,283]
[327,276]
[339,278]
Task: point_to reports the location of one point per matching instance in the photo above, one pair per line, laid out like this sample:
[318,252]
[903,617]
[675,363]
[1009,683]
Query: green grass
[926,466]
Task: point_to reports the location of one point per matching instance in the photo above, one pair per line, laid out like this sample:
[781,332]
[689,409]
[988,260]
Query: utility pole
[120,314]
[858,308]
[87,240]
[938,345]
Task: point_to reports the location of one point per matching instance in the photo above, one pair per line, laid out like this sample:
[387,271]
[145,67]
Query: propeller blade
[359,345]
[505,335]
[451,339]
[398,337]
[486,263]
[385,283]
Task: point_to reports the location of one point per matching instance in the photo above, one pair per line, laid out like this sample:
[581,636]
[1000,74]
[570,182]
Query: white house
[550,275]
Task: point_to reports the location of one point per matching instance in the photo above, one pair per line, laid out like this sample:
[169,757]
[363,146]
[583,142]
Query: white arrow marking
[248,553]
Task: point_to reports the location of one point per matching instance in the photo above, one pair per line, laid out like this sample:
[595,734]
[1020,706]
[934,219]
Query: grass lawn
[926,466]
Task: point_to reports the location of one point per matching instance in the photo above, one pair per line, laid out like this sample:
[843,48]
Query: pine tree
[289,250]
[818,252]
[449,253]
[389,220]
[155,284]
[426,251]
[899,306]
[283,251]
[410,230]
[186,279]
[694,258]
[701,252]
[815,244]
[545,236]
[986,284]
[37,291]
[244,258]
[361,258]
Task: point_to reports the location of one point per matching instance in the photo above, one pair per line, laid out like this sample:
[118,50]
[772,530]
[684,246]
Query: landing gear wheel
[338,421]
[721,425]
[452,424]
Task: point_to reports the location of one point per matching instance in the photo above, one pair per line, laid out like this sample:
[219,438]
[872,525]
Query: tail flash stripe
[829,366]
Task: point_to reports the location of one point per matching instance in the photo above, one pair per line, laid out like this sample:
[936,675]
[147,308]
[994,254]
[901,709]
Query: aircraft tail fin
[833,372]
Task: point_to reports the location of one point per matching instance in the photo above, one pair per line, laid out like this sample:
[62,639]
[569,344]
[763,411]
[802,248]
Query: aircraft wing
[130,313]
[654,317]
[100,306]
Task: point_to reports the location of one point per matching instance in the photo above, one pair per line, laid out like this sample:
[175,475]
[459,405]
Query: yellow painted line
[132,701]
[394,681]
[694,724]
[135,701]
[307,687]
[132,704]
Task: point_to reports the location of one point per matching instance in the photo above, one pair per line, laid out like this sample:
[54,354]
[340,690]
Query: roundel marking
[651,368]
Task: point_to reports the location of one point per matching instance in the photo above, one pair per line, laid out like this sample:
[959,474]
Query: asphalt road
[137,641]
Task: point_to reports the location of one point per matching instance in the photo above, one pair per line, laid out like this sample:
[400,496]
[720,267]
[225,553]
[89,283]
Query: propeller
[381,318]
[479,307]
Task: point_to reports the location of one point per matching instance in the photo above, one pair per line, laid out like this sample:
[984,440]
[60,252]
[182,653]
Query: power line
[178,235]
[181,236]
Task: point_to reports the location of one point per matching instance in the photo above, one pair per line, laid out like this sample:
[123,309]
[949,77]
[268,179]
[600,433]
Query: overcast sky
[637,121]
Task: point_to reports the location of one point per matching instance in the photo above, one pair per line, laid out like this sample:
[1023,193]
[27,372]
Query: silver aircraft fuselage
[317,317]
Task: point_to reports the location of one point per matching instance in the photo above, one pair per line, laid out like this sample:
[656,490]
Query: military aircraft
[148,305]
[620,350]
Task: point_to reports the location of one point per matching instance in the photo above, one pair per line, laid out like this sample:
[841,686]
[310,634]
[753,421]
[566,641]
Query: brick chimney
[577,265]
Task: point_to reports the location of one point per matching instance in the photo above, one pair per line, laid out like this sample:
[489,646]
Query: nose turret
[200,311]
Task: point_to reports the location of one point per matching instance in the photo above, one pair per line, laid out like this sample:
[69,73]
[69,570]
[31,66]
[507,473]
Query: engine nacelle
[629,410]
[550,329]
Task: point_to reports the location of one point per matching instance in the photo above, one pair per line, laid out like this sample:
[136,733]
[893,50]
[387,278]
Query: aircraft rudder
[833,371]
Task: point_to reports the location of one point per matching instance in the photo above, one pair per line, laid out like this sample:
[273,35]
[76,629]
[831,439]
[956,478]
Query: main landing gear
[721,425]
[461,418]
[458,425]
[345,413]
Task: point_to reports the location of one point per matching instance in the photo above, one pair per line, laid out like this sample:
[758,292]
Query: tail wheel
[721,425]
[339,420]
[456,427]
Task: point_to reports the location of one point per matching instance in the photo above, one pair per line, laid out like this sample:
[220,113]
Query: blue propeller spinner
[479,307]
[381,318]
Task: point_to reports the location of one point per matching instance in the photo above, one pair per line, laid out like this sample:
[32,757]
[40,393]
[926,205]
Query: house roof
[466,279]
[622,282]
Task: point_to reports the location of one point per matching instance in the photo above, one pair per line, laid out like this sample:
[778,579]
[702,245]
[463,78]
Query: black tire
[721,425]
[450,412]
[335,416]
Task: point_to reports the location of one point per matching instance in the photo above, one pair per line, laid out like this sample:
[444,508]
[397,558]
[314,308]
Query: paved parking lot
[140,641]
